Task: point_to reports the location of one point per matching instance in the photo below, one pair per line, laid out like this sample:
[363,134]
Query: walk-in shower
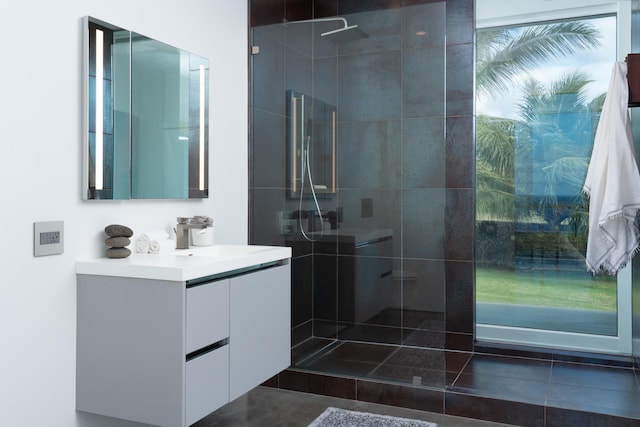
[368,292]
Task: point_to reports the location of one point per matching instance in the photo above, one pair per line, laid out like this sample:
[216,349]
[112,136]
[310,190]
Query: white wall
[40,170]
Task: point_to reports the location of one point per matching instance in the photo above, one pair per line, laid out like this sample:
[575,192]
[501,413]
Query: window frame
[539,12]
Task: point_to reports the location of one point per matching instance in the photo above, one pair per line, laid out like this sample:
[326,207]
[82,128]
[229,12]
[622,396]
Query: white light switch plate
[48,238]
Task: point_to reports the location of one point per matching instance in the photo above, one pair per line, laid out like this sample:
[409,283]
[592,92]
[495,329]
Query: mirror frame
[311,125]
[112,141]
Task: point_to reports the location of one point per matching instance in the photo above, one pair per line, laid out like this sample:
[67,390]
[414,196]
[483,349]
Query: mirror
[311,141]
[146,117]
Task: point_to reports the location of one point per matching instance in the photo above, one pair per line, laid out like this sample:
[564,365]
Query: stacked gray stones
[118,238]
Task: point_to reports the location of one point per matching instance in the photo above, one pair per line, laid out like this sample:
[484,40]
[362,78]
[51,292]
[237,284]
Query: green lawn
[546,288]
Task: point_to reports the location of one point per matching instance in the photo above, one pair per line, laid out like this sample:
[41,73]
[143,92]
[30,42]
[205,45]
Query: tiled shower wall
[405,135]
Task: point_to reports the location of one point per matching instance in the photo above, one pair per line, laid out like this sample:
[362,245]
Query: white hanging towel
[613,183]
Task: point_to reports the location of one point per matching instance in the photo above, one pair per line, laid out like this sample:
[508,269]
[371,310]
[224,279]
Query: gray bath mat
[335,417]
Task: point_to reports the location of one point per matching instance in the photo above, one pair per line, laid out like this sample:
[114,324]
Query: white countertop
[184,264]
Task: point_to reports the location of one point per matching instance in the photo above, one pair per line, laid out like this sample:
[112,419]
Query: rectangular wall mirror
[311,144]
[146,118]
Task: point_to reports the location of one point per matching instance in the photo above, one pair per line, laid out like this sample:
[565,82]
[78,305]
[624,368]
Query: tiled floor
[270,407]
[545,392]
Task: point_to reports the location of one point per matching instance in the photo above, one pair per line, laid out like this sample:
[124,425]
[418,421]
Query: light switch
[48,238]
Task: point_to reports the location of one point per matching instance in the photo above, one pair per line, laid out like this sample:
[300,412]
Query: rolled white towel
[142,245]
[147,242]
[161,246]
[155,235]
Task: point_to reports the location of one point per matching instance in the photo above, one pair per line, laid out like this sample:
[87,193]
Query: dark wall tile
[302,292]
[268,74]
[521,414]
[324,8]
[298,36]
[369,87]
[369,154]
[460,21]
[353,6]
[423,24]
[460,98]
[384,212]
[423,82]
[265,12]
[268,150]
[423,153]
[299,245]
[459,341]
[364,284]
[425,339]
[263,210]
[318,384]
[423,223]
[271,382]
[423,293]
[325,83]
[300,76]
[460,152]
[300,334]
[459,297]
[296,10]
[459,224]
[383,28]
[325,282]
[456,360]
[369,333]
[403,396]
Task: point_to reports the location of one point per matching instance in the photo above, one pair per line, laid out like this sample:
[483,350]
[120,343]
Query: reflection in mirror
[147,122]
[312,145]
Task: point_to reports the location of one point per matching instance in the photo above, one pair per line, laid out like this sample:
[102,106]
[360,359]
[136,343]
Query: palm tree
[560,114]
[502,53]
[495,168]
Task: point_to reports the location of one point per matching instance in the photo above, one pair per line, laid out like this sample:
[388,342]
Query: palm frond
[501,54]
[495,144]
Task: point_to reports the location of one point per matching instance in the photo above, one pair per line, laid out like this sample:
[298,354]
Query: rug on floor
[336,417]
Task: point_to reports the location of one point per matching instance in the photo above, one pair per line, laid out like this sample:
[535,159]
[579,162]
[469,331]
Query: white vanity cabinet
[260,328]
[168,352]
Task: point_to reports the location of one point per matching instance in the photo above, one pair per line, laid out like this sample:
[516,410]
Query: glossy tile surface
[605,390]
[518,390]
[269,407]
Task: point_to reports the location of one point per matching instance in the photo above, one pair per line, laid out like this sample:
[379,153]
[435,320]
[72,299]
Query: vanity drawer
[207,314]
[206,384]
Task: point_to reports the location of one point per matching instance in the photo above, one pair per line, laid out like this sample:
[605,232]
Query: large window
[540,90]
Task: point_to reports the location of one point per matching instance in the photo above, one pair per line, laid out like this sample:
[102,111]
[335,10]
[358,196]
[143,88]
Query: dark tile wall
[405,157]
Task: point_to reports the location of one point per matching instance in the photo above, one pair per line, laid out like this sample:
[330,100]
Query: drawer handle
[207,349]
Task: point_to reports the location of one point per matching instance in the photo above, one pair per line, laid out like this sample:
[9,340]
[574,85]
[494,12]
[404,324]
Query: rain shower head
[345,34]
[340,35]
